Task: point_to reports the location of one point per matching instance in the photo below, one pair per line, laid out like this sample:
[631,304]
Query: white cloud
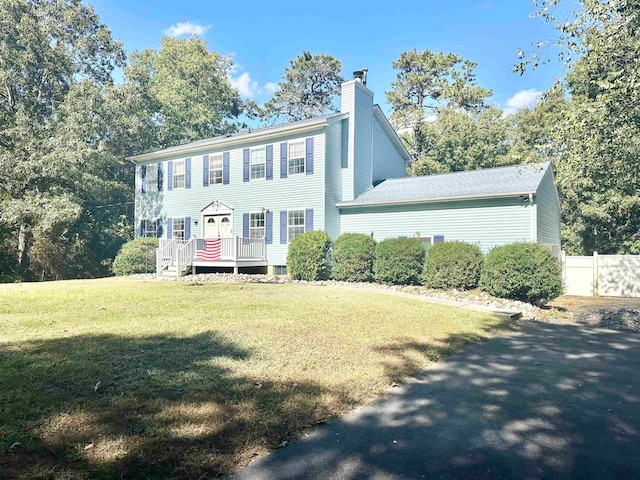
[523,98]
[270,87]
[249,88]
[186,28]
[245,86]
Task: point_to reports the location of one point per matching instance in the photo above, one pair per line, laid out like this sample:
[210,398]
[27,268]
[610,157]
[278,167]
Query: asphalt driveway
[554,401]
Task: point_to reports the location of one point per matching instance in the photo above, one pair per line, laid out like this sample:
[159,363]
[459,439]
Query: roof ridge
[502,167]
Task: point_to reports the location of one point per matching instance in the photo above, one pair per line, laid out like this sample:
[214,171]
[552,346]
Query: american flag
[212,250]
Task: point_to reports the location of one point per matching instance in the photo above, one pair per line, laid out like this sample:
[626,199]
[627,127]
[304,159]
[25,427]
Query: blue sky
[263,37]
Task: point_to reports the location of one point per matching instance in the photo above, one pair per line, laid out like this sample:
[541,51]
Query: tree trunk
[23,250]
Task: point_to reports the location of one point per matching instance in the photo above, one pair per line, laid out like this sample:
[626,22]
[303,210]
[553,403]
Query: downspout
[534,219]
[135,197]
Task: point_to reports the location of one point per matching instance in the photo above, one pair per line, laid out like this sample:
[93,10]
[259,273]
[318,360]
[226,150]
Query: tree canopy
[597,131]
[309,88]
[66,191]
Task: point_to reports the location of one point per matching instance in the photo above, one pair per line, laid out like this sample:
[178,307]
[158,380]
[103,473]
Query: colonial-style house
[237,201]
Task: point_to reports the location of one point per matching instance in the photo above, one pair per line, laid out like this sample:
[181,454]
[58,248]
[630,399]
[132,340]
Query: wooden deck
[176,257]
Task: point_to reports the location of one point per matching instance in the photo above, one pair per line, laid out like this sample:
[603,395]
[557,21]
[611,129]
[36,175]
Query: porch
[176,257]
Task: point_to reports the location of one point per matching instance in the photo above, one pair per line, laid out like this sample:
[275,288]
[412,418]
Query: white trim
[534,219]
[214,209]
[304,157]
[211,160]
[226,143]
[255,149]
[431,200]
[264,219]
[304,221]
[184,228]
[184,174]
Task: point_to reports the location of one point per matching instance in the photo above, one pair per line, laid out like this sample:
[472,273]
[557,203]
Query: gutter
[232,140]
[528,194]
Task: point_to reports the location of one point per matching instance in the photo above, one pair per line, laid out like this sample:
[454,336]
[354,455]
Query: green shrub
[136,256]
[399,261]
[522,271]
[308,256]
[352,257]
[453,265]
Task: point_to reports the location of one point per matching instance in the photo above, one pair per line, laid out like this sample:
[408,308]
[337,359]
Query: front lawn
[122,379]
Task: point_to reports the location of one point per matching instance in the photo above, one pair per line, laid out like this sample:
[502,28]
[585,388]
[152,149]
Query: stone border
[476,297]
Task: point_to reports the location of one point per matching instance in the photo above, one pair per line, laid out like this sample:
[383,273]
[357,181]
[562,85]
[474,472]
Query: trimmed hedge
[453,265]
[352,257]
[308,256]
[522,271]
[136,256]
[399,261]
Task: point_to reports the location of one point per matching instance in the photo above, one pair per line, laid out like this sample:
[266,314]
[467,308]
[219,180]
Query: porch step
[171,272]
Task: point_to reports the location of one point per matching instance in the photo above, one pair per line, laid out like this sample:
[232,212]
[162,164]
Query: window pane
[258,171]
[215,169]
[178,228]
[296,166]
[296,223]
[296,150]
[256,225]
[258,156]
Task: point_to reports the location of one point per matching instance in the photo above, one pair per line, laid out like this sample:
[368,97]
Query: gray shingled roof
[501,181]
[208,141]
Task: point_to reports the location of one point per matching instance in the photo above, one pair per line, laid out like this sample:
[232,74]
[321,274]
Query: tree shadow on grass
[553,401]
[106,406]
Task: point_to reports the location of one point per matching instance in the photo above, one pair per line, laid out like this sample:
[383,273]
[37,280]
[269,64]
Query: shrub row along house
[237,201]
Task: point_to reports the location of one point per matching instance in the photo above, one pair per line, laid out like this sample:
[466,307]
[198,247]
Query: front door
[216,226]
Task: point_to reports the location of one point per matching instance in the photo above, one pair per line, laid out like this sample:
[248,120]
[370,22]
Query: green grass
[122,379]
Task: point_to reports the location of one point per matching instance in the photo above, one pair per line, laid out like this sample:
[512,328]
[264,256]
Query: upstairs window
[152,178]
[295,223]
[178,174]
[215,169]
[296,157]
[256,225]
[258,163]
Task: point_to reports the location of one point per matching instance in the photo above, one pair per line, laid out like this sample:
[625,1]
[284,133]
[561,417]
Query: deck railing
[165,254]
[182,253]
[186,252]
[233,249]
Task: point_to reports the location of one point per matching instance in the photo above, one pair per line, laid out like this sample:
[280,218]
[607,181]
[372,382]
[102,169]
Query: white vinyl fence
[601,275]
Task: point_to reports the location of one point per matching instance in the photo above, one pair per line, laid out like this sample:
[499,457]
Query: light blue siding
[487,223]
[363,118]
[333,180]
[278,194]
[387,161]
[548,211]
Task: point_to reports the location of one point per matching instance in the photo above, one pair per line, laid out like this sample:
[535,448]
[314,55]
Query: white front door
[224,226]
[216,226]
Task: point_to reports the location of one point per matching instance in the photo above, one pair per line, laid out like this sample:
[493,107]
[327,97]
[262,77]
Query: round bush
[308,256]
[136,256]
[352,257]
[522,271]
[399,261]
[453,265]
